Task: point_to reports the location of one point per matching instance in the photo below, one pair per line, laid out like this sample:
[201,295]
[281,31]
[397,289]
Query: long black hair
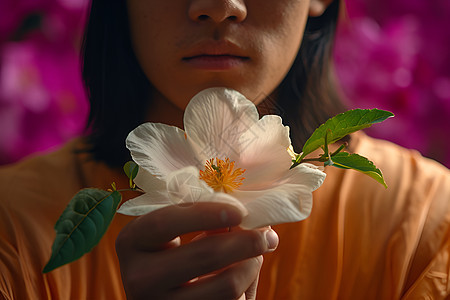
[308,95]
[119,92]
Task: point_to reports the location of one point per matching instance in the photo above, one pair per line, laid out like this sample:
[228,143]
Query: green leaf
[82,224]
[131,169]
[359,163]
[342,125]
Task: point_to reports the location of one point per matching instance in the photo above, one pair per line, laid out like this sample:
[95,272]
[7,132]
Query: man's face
[185,46]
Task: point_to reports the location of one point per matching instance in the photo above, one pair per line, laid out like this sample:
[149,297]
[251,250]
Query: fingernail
[272,239]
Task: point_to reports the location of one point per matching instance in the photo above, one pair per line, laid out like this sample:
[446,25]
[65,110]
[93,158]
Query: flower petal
[215,119]
[224,198]
[290,201]
[266,157]
[292,152]
[266,132]
[149,183]
[263,174]
[185,186]
[154,198]
[281,205]
[160,148]
[141,205]
[306,174]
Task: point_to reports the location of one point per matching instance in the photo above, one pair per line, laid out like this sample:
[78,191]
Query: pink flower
[42,89]
[394,56]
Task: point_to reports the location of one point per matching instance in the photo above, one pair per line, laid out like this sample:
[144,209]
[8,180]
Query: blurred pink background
[390,54]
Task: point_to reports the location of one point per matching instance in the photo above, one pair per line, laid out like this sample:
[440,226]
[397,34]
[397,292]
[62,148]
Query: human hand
[154,265]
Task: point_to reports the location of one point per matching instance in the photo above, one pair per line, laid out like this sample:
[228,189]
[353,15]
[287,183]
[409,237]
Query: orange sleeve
[363,241]
[19,252]
[34,193]
[434,282]
[12,285]
[429,274]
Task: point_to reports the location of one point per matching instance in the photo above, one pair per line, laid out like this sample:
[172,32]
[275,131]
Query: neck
[164,111]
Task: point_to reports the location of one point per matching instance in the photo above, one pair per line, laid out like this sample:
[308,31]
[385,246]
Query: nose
[217,10]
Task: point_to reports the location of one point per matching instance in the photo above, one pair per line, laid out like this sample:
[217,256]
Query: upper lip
[215,48]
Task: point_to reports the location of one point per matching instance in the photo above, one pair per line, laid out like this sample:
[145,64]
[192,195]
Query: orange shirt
[360,242]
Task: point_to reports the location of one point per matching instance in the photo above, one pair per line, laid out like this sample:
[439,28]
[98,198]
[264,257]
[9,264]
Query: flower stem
[342,147]
[318,159]
[321,159]
[131,190]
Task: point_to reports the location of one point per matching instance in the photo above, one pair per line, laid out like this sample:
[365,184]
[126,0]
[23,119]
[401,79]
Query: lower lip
[215,62]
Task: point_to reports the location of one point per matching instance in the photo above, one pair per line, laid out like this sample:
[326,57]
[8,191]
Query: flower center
[222,176]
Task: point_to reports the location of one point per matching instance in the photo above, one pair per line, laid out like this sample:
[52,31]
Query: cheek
[282,49]
[281,42]
[151,33]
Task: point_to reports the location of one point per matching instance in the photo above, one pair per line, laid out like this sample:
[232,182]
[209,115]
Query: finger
[210,232]
[149,231]
[182,264]
[216,252]
[222,230]
[250,293]
[229,284]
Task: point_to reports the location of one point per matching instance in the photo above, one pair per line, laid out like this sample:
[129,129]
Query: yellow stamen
[222,177]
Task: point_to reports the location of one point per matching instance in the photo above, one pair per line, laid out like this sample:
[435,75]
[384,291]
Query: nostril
[206,17]
[217,10]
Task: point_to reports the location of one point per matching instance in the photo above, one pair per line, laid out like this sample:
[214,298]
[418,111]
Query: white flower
[227,154]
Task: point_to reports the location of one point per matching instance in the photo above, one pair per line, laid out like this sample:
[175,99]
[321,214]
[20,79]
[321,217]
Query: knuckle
[207,258]
[122,241]
[150,225]
[259,261]
[153,224]
[230,288]
[153,227]
[140,282]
